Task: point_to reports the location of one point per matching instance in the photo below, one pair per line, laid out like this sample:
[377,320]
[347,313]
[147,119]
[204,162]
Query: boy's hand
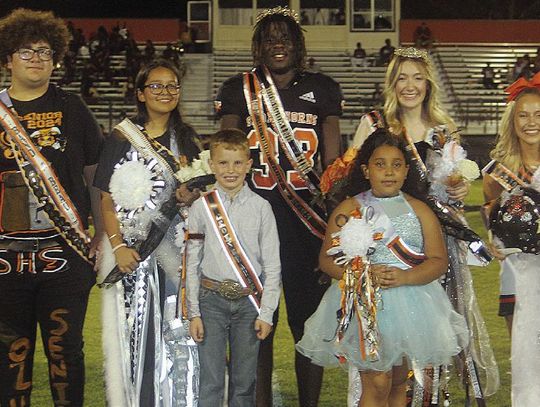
[196,329]
[262,328]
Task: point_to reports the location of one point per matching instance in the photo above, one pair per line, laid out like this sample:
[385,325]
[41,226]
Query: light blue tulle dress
[416,322]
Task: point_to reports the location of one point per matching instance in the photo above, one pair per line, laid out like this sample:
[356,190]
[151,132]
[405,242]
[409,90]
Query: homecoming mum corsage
[360,294]
[453,166]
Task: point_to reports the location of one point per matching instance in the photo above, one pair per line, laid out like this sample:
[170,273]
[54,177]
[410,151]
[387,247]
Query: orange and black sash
[258,96]
[505,177]
[397,246]
[236,256]
[41,179]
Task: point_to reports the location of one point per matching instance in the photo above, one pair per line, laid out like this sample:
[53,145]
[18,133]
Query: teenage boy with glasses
[49,145]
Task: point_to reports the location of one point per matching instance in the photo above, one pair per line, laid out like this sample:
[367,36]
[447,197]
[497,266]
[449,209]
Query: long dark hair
[185,136]
[357,181]
[262,29]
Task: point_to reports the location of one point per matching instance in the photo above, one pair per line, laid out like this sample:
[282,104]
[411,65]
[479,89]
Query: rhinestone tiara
[284,11]
[411,52]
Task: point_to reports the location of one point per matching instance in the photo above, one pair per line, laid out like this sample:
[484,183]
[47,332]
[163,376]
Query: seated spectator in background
[116,42]
[526,67]
[70,63]
[170,53]
[313,66]
[359,56]
[101,60]
[84,51]
[87,80]
[516,70]
[377,99]
[488,76]
[304,19]
[103,37]
[187,41]
[338,17]
[133,56]
[319,18]
[382,23]
[423,38]
[149,51]
[386,52]
[536,65]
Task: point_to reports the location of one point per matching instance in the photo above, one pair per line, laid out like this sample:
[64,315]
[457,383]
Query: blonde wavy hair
[507,149]
[432,112]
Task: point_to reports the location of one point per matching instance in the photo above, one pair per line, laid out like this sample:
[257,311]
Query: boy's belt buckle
[231,290]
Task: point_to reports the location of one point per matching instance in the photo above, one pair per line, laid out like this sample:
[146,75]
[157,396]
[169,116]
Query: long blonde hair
[507,149]
[432,112]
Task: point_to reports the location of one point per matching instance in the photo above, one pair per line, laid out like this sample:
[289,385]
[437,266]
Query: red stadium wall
[475,31]
[142,29]
[445,31]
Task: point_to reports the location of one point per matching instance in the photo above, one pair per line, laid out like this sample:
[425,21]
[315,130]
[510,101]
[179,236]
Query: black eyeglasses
[26,54]
[158,88]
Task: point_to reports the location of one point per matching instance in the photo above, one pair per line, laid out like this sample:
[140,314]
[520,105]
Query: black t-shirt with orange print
[67,135]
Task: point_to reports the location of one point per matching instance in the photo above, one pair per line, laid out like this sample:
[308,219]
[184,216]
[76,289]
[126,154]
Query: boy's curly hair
[23,27]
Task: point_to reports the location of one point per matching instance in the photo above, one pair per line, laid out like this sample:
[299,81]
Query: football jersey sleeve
[332,103]
[230,98]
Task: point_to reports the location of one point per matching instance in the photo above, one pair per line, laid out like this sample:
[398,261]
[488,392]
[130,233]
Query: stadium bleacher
[476,110]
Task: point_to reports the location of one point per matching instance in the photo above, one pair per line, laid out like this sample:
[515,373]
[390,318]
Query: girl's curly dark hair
[285,22]
[414,184]
[23,27]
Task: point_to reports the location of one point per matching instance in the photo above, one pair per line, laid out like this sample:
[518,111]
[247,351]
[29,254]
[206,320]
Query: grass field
[335,382]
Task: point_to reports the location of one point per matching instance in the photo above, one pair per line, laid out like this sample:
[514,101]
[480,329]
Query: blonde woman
[514,223]
[412,110]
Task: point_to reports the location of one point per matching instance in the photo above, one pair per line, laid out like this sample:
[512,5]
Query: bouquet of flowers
[453,166]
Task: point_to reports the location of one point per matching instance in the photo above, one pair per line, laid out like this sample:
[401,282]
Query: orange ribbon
[520,85]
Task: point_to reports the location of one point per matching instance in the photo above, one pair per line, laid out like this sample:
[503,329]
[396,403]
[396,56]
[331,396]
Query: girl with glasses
[137,177]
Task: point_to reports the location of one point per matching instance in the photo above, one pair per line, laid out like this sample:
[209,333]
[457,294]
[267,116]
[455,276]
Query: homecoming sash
[260,92]
[283,129]
[401,250]
[506,178]
[236,256]
[40,178]
[151,150]
[140,142]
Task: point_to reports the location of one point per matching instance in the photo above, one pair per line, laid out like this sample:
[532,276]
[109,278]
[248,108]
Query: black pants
[49,288]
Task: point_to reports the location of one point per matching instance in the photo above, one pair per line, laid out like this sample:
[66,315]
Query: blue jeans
[229,321]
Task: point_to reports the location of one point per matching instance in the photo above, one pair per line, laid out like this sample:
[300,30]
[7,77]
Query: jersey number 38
[306,139]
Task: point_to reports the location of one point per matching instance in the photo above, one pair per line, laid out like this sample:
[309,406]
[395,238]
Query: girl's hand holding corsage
[197,168]
[185,197]
[455,171]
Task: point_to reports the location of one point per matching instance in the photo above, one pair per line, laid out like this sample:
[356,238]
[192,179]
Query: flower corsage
[360,295]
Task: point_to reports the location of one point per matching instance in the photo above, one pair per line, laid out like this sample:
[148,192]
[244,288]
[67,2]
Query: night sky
[412,9]
[103,8]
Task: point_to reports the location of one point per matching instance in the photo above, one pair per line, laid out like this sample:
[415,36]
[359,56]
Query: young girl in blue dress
[414,325]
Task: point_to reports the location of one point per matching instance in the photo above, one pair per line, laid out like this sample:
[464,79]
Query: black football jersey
[307,102]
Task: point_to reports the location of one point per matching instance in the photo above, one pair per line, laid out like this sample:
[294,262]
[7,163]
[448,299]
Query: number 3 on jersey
[308,141]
